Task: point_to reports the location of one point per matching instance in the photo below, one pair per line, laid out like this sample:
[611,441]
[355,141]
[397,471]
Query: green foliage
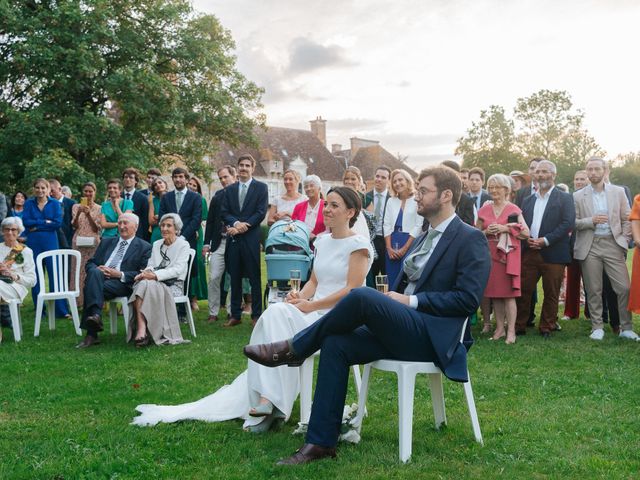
[116,84]
[490,143]
[544,124]
[57,163]
[625,170]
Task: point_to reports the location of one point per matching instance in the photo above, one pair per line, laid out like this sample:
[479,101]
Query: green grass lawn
[563,408]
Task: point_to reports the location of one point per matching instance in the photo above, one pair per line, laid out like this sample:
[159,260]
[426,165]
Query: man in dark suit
[243,208]
[110,273]
[130,179]
[185,203]
[476,181]
[215,241]
[65,233]
[375,201]
[551,216]
[529,188]
[443,280]
[464,208]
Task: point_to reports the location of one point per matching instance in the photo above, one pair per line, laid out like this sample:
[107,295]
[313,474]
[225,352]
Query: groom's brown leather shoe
[308,453]
[272,354]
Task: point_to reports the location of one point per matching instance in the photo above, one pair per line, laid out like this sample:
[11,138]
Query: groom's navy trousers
[366,325]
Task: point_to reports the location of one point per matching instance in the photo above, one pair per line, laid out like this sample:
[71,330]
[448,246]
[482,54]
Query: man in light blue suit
[443,280]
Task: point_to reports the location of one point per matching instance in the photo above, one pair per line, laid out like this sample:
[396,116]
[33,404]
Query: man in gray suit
[603,232]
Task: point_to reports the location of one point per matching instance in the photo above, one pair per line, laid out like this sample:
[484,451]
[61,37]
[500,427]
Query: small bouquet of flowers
[14,256]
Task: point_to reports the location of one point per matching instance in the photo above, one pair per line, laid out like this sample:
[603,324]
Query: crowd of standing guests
[576,243]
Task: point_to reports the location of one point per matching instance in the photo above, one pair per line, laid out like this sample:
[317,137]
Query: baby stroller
[287,248]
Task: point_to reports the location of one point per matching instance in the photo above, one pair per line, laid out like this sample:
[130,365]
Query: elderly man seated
[111,272]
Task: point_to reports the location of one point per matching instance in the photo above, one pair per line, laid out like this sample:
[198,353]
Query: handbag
[85,241]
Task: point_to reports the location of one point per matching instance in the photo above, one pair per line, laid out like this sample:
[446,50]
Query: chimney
[319,129]
[335,147]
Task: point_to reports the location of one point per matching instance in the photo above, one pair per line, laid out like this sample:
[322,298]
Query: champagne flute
[294,280]
[382,283]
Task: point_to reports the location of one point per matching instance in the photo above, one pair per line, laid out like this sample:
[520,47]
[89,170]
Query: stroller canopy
[290,236]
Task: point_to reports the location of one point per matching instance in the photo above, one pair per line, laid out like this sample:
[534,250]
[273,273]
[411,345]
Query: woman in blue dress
[402,224]
[42,217]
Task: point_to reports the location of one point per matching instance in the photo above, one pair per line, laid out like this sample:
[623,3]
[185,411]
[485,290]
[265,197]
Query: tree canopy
[544,124]
[117,83]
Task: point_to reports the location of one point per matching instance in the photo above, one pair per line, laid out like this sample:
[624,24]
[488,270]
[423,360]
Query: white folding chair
[16,321]
[185,298]
[60,265]
[306,386]
[123,302]
[406,372]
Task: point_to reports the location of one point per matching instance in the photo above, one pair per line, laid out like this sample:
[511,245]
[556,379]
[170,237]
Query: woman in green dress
[157,190]
[112,208]
[198,289]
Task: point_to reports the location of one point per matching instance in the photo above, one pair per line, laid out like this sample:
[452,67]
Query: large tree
[117,83]
[490,143]
[544,124]
[550,127]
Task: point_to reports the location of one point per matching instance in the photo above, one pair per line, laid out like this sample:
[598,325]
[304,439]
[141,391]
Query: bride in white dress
[261,395]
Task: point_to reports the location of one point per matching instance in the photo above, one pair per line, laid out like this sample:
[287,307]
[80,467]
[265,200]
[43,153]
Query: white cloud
[421,70]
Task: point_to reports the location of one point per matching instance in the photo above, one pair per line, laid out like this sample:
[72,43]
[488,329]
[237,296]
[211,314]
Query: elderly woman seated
[153,310]
[17,268]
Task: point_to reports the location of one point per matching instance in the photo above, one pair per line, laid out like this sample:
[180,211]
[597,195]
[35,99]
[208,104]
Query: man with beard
[551,217]
[603,232]
[442,282]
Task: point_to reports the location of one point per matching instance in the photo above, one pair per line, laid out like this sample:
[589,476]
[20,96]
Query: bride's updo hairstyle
[351,200]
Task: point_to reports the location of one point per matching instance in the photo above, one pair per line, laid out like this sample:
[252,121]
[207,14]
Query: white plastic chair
[113,314]
[185,298]
[16,322]
[306,386]
[60,265]
[406,372]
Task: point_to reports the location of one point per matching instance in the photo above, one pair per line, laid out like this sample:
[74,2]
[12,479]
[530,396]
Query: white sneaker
[630,334]
[598,334]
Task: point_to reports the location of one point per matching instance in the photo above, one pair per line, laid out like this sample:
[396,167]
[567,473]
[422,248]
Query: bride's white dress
[278,322]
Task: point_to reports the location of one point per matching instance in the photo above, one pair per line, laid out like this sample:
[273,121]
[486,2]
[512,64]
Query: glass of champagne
[382,283]
[294,280]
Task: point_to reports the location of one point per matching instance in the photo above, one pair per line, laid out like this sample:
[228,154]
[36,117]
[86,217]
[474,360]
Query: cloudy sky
[414,74]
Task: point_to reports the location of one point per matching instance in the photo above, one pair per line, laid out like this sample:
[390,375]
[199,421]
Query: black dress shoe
[88,341]
[94,321]
[272,354]
[308,453]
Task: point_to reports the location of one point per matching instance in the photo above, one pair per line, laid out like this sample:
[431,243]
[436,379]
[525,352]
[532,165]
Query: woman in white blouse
[402,224]
[17,268]
[153,315]
[283,205]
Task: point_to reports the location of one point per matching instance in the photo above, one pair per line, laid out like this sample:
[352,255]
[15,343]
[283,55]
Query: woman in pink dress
[502,222]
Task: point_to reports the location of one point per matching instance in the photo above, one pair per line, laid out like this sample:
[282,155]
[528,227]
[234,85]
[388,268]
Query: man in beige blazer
[603,232]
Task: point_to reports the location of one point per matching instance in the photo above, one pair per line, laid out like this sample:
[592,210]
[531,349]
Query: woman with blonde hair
[401,224]
[283,205]
[502,223]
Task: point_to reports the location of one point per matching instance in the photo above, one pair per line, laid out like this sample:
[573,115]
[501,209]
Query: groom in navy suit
[244,206]
[443,280]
